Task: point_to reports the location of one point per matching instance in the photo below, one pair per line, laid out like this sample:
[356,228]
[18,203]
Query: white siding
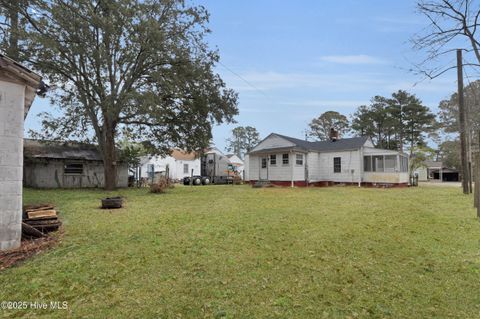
[390,178]
[422,174]
[159,164]
[368,143]
[314,167]
[278,171]
[321,166]
[283,172]
[253,167]
[247,168]
[12,97]
[179,171]
[298,170]
[175,166]
[350,170]
[273,141]
[49,173]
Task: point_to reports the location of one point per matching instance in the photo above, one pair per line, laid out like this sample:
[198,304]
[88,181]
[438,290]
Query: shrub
[157,188]
[161,185]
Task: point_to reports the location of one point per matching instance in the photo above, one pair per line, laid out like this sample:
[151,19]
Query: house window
[273,159]
[151,170]
[285,159]
[264,162]
[73,168]
[299,159]
[390,162]
[367,163]
[337,164]
[185,168]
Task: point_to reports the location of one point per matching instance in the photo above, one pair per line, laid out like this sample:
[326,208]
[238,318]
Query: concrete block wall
[49,173]
[12,97]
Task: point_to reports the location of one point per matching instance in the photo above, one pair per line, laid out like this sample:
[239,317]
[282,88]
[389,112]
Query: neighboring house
[436,171]
[246,168]
[425,173]
[238,163]
[179,165]
[18,87]
[289,161]
[66,165]
[214,150]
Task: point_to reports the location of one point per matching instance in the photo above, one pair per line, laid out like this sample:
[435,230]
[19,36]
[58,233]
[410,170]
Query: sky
[290,61]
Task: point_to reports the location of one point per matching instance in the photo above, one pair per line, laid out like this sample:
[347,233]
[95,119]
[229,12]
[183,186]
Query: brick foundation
[330,183]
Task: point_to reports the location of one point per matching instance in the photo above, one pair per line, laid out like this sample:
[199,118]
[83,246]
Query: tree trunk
[109,159]
[12,50]
[476,197]
[462,124]
[400,139]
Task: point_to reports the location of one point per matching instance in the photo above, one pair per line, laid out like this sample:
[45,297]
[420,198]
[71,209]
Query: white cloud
[262,82]
[352,59]
[269,83]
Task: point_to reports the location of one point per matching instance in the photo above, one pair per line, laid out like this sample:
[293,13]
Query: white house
[179,165]
[238,163]
[289,161]
[437,172]
[18,87]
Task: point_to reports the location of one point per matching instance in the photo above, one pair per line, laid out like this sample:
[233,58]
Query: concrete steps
[262,183]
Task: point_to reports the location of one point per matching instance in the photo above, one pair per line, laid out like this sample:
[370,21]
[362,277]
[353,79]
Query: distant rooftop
[183,156]
[60,150]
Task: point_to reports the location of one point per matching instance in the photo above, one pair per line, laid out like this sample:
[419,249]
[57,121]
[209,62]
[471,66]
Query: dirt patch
[28,249]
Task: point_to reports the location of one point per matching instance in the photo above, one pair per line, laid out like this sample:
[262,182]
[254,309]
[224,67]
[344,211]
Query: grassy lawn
[238,252]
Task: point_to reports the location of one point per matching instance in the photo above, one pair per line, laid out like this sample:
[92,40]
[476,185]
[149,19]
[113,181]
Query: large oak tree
[141,67]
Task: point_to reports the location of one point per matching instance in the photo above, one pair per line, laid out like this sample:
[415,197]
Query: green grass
[238,252]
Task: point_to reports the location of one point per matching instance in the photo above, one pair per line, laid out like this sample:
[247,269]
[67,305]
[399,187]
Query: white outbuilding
[239,164]
[177,165]
[288,161]
[18,87]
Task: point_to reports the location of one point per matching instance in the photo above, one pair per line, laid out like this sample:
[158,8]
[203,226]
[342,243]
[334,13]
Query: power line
[466,75]
[243,79]
[199,46]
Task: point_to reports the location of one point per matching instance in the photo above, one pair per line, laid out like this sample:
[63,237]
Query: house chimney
[333,135]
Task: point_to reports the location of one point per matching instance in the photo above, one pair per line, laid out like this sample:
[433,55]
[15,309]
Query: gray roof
[60,150]
[328,146]
[433,164]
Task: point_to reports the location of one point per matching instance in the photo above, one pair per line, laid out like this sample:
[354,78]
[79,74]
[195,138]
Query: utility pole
[476,198]
[461,110]
[477,178]
[469,141]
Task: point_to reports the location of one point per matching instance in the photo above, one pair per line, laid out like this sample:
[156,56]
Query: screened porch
[385,168]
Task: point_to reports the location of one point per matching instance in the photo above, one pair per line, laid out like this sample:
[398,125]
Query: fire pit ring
[112,202]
